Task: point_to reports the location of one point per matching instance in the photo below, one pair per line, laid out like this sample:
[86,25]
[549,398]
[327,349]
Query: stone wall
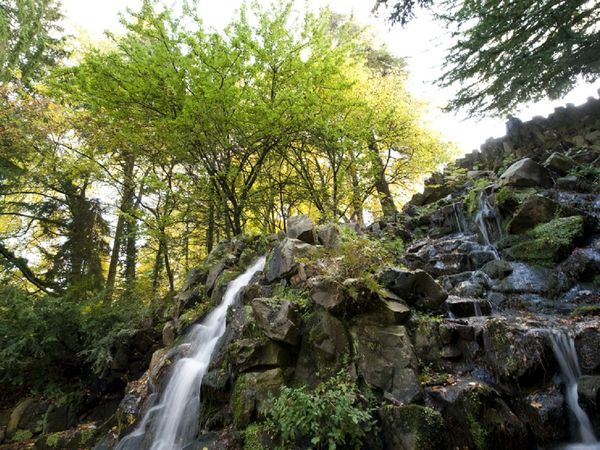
[567,127]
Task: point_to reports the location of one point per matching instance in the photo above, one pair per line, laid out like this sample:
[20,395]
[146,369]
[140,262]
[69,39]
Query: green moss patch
[550,242]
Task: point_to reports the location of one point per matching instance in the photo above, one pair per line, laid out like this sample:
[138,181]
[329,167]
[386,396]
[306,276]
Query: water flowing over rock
[564,351]
[171,423]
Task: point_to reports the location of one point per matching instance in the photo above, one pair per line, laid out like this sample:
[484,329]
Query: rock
[587,343]
[282,261]
[301,228]
[588,389]
[327,293]
[559,163]
[250,392]
[550,242]
[324,348]
[583,264]
[534,211]
[516,354]
[469,288]
[412,427]
[277,318]
[531,280]
[385,360]
[168,334]
[328,235]
[525,173]
[497,269]
[574,183]
[483,418]
[416,288]
[261,352]
[217,270]
[479,258]
[545,413]
[467,307]
[192,287]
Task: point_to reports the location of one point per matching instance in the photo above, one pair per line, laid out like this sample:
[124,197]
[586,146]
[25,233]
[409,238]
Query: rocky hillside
[449,326]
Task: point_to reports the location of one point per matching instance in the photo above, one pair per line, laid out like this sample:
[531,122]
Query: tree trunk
[383,188]
[125,208]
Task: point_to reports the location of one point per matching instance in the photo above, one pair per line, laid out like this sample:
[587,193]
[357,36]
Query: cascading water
[459,217]
[172,423]
[563,347]
[488,221]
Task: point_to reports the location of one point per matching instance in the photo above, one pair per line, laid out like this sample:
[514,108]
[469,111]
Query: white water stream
[172,423]
[488,220]
[563,346]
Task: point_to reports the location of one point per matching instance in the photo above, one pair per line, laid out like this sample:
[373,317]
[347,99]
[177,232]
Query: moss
[426,423]
[472,199]
[22,435]
[252,439]
[237,401]
[52,440]
[586,311]
[550,242]
[477,430]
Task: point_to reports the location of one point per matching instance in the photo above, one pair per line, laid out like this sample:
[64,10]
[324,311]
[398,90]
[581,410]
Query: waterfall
[563,347]
[459,217]
[488,221]
[172,423]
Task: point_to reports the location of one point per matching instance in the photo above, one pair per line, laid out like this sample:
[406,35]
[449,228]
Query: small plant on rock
[330,416]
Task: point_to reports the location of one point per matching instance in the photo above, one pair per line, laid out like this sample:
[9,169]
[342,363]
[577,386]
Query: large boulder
[327,292]
[535,210]
[329,235]
[282,261]
[302,228]
[517,353]
[482,417]
[386,361]
[250,392]
[278,319]
[324,350]
[587,343]
[412,427]
[559,163]
[545,413]
[526,173]
[417,288]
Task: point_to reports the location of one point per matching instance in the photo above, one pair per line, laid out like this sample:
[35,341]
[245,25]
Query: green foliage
[22,435]
[498,63]
[52,440]
[588,172]
[300,297]
[195,313]
[329,417]
[252,437]
[45,338]
[28,41]
[586,311]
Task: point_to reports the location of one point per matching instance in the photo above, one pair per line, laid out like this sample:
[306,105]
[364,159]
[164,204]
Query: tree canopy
[30,38]
[507,52]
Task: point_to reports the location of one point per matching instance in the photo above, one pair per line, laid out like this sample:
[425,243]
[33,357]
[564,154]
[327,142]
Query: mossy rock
[412,426]
[250,392]
[549,242]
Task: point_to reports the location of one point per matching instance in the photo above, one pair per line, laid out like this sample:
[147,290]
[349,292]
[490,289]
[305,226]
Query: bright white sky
[421,44]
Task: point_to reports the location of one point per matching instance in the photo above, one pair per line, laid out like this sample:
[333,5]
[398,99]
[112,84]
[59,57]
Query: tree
[28,38]
[507,52]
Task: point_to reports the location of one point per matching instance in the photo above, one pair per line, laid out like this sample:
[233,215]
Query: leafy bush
[47,339]
[328,417]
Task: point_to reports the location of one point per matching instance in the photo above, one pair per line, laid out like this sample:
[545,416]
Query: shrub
[328,417]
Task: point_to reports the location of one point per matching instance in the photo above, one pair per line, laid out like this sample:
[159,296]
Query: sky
[421,43]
